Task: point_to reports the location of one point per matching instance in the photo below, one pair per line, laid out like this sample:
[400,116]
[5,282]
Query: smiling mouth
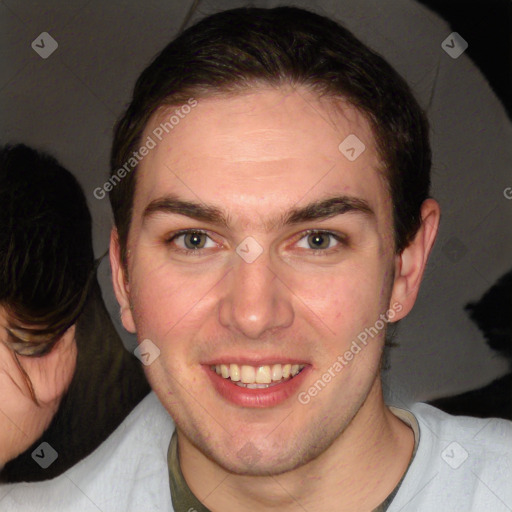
[257,377]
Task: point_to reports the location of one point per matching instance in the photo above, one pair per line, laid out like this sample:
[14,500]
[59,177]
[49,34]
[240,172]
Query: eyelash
[318,252]
[26,349]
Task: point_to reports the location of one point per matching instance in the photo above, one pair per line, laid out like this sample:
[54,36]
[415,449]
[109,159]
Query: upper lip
[254,361]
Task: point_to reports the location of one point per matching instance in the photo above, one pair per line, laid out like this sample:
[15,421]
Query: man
[270,190]
[65,378]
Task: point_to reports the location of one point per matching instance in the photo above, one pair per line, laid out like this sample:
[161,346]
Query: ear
[120,282]
[411,262]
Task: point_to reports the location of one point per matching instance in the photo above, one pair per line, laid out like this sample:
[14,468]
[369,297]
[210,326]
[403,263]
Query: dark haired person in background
[493,315]
[65,377]
[271,208]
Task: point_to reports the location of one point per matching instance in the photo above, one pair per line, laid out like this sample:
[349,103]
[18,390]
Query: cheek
[21,420]
[13,403]
[159,298]
[167,296]
[346,299]
[52,374]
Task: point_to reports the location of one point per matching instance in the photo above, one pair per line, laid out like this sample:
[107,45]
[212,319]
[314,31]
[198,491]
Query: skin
[257,155]
[22,421]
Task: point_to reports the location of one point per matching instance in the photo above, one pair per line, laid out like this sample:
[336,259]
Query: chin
[249,461]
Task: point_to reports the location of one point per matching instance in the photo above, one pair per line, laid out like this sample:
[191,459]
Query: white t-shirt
[461,464]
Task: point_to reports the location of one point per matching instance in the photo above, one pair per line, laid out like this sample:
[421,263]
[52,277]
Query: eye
[194,241]
[29,349]
[320,241]
[32,351]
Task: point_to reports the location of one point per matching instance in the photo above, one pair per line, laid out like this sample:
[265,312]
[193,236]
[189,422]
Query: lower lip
[259,398]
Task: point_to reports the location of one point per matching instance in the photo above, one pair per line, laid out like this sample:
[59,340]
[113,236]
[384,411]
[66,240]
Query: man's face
[302,301]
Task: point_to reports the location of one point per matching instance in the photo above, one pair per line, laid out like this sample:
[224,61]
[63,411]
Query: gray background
[67,104]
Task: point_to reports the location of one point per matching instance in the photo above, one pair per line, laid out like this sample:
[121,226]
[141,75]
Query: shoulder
[128,471]
[462,463]
[481,433]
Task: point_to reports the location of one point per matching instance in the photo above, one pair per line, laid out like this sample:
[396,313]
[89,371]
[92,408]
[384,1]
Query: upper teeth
[257,374]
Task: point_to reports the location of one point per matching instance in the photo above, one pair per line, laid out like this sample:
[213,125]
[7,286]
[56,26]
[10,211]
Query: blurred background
[68,103]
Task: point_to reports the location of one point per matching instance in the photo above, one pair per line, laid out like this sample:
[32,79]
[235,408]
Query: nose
[255,300]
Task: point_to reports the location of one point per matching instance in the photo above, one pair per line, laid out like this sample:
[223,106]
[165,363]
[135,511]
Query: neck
[357,472]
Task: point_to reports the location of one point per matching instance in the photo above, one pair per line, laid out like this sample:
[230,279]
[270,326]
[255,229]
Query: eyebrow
[321,209]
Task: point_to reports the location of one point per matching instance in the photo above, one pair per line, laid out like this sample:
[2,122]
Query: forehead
[260,152]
